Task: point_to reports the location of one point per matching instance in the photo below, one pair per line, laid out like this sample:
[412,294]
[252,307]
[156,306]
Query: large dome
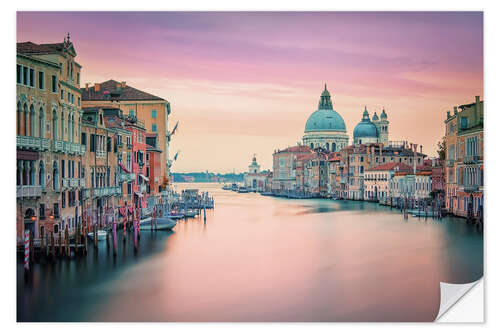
[365,128]
[325,119]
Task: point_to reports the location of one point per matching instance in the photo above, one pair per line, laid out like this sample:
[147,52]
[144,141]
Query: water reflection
[260,258]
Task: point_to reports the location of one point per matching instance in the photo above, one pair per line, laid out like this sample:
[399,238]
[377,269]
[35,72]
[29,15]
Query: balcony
[60,146]
[129,146]
[126,177]
[142,188]
[106,191]
[32,143]
[471,159]
[100,153]
[450,163]
[73,182]
[29,191]
[471,188]
[85,193]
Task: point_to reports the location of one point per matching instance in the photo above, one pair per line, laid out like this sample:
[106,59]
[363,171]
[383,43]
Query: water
[261,258]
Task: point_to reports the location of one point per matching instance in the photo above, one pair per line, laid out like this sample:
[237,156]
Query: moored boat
[101,235]
[159,223]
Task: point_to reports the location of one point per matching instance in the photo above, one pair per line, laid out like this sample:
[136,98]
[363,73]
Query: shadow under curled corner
[451,294]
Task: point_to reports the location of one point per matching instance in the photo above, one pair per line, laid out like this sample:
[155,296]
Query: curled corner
[451,293]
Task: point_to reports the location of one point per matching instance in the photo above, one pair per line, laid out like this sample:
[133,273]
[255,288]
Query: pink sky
[245,83]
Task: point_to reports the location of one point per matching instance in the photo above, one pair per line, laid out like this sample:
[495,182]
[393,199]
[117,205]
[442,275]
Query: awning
[146,179]
[123,167]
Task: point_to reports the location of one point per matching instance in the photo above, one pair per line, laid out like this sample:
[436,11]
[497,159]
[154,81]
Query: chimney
[420,149]
[477,100]
[455,110]
[87,86]
[124,84]
[97,86]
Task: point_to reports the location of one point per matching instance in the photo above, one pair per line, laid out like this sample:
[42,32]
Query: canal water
[261,258]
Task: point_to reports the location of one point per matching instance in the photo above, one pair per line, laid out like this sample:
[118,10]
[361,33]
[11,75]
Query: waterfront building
[316,173]
[361,157]
[48,138]
[255,179]
[102,194]
[377,180]
[284,167]
[153,165]
[336,185]
[325,127]
[464,159]
[375,130]
[152,110]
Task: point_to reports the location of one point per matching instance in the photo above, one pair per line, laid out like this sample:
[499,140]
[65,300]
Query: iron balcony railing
[28,142]
[106,191]
[60,146]
[73,182]
[29,191]
[471,159]
[450,163]
[126,177]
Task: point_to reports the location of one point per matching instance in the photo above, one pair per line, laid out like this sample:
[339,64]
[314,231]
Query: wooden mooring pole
[114,238]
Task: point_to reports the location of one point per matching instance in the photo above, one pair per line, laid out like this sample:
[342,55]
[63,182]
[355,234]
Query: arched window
[25,120]
[41,123]
[54,124]
[19,114]
[312,145]
[62,125]
[19,180]
[55,176]
[72,128]
[32,173]
[334,146]
[26,173]
[69,129]
[327,146]
[32,121]
[41,175]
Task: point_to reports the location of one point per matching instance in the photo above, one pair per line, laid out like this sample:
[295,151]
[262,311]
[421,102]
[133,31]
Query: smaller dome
[383,115]
[365,128]
[375,117]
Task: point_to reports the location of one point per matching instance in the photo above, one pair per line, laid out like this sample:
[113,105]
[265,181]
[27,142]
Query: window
[84,139]
[42,211]
[78,78]
[62,94]
[54,83]
[25,75]
[32,77]
[63,200]
[153,114]
[69,97]
[131,112]
[78,101]
[19,74]
[41,80]
[153,128]
[464,122]
[92,142]
[147,157]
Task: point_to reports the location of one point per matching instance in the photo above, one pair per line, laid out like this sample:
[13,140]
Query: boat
[190,213]
[175,215]
[101,235]
[243,189]
[227,187]
[267,193]
[158,223]
[234,187]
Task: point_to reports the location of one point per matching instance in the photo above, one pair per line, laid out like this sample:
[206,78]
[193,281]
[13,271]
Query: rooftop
[123,92]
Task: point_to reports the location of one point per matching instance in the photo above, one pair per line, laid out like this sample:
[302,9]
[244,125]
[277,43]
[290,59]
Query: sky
[244,83]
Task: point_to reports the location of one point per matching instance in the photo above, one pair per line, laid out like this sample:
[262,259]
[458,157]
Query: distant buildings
[255,179]
[464,169]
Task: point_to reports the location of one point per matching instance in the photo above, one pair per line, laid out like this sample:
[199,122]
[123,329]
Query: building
[255,179]
[48,138]
[360,157]
[464,169]
[372,131]
[377,180]
[316,173]
[284,168]
[101,197]
[325,127]
[153,165]
[152,110]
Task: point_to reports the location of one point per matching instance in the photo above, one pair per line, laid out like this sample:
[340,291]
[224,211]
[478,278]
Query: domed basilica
[325,128]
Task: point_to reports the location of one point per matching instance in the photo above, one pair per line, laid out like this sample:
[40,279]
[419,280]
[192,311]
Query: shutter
[92,142]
